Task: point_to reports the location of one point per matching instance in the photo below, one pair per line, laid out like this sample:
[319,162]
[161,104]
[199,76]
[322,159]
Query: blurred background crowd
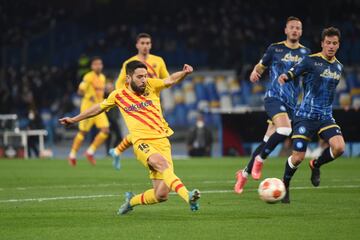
[46,47]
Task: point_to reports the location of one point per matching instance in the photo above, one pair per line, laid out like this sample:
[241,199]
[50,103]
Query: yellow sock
[145,198]
[99,139]
[79,138]
[125,144]
[175,184]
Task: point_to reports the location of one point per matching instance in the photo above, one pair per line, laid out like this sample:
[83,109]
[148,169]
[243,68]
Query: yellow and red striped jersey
[156,68]
[142,113]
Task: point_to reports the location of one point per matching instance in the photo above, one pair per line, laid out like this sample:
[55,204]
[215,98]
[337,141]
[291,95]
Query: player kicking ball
[321,73]
[139,104]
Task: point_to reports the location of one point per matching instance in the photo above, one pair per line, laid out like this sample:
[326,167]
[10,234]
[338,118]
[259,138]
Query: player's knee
[105,130]
[162,196]
[338,149]
[297,158]
[158,162]
[286,131]
[83,133]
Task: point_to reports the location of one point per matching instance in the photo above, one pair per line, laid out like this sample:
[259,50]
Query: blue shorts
[275,107]
[305,129]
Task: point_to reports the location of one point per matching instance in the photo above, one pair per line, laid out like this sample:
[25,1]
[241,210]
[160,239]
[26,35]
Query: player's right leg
[333,136]
[242,175]
[280,115]
[159,193]
[119,149]
[78,140]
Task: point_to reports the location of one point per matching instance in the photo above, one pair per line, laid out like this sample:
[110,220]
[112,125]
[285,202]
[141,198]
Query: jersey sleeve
[109,102]
[163,70]
[156,84]
[300,68]
[120,82]
[265,61]
[85,83]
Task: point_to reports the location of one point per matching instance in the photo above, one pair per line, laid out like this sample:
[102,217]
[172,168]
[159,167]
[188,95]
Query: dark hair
[292,18]
[329,32]
[95,58]
[133,65]
[142,35]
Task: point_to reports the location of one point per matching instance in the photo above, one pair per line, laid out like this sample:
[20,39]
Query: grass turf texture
[59,203]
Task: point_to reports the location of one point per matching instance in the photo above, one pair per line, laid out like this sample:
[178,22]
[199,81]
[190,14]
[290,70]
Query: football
[271,190]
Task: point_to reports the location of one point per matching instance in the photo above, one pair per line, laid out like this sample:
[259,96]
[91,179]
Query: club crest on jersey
[303,51]
[339,67]
[299,145]
[302,129]
[290,58]
[327,73]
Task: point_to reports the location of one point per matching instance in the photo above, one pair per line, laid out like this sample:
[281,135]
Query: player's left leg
[283,130]
[291,166]
[280,115]
[102,123]
[336,149]
[242,175]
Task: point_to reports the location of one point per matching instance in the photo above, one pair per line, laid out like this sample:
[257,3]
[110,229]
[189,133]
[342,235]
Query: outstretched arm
[88,113]
[178,76]
[298,69]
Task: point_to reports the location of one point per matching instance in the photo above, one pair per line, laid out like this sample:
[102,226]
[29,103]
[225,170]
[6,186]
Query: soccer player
[280,101]
[156,69]
[92,90]
[139,104]
[322,73]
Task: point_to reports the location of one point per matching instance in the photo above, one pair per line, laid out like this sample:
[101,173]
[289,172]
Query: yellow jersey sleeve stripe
[291,74]
[262,66]
[300,136]
[278,115]
[328,127]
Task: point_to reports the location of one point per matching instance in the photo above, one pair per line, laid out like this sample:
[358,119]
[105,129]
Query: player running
[92,90]
[156,69]
[280,101]
[322,73]
[139,104]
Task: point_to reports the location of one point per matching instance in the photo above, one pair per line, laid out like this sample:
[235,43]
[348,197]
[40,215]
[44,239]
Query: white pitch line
[118,195]
[142,184]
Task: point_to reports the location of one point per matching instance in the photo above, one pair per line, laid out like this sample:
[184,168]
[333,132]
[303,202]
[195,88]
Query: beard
[137,89]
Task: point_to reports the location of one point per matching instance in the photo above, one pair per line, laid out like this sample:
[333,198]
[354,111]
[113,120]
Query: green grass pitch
[47,199]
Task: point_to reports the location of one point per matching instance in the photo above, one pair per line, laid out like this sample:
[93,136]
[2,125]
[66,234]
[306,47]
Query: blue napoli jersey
[280,58]
[321,77]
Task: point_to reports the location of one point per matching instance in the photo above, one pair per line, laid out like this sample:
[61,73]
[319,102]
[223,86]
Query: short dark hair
[94,58]
[142,35]
[329,32]
[133,65]
[292,18]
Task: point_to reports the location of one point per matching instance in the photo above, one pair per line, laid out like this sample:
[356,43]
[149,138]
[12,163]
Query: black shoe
[315,174]
[286,199]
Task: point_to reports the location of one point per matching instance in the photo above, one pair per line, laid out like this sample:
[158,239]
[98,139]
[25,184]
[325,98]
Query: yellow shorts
[144,148]
[100,121]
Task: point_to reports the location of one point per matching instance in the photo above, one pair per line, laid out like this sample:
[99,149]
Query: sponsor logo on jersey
[327,73]
[139,106]
[290,58]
